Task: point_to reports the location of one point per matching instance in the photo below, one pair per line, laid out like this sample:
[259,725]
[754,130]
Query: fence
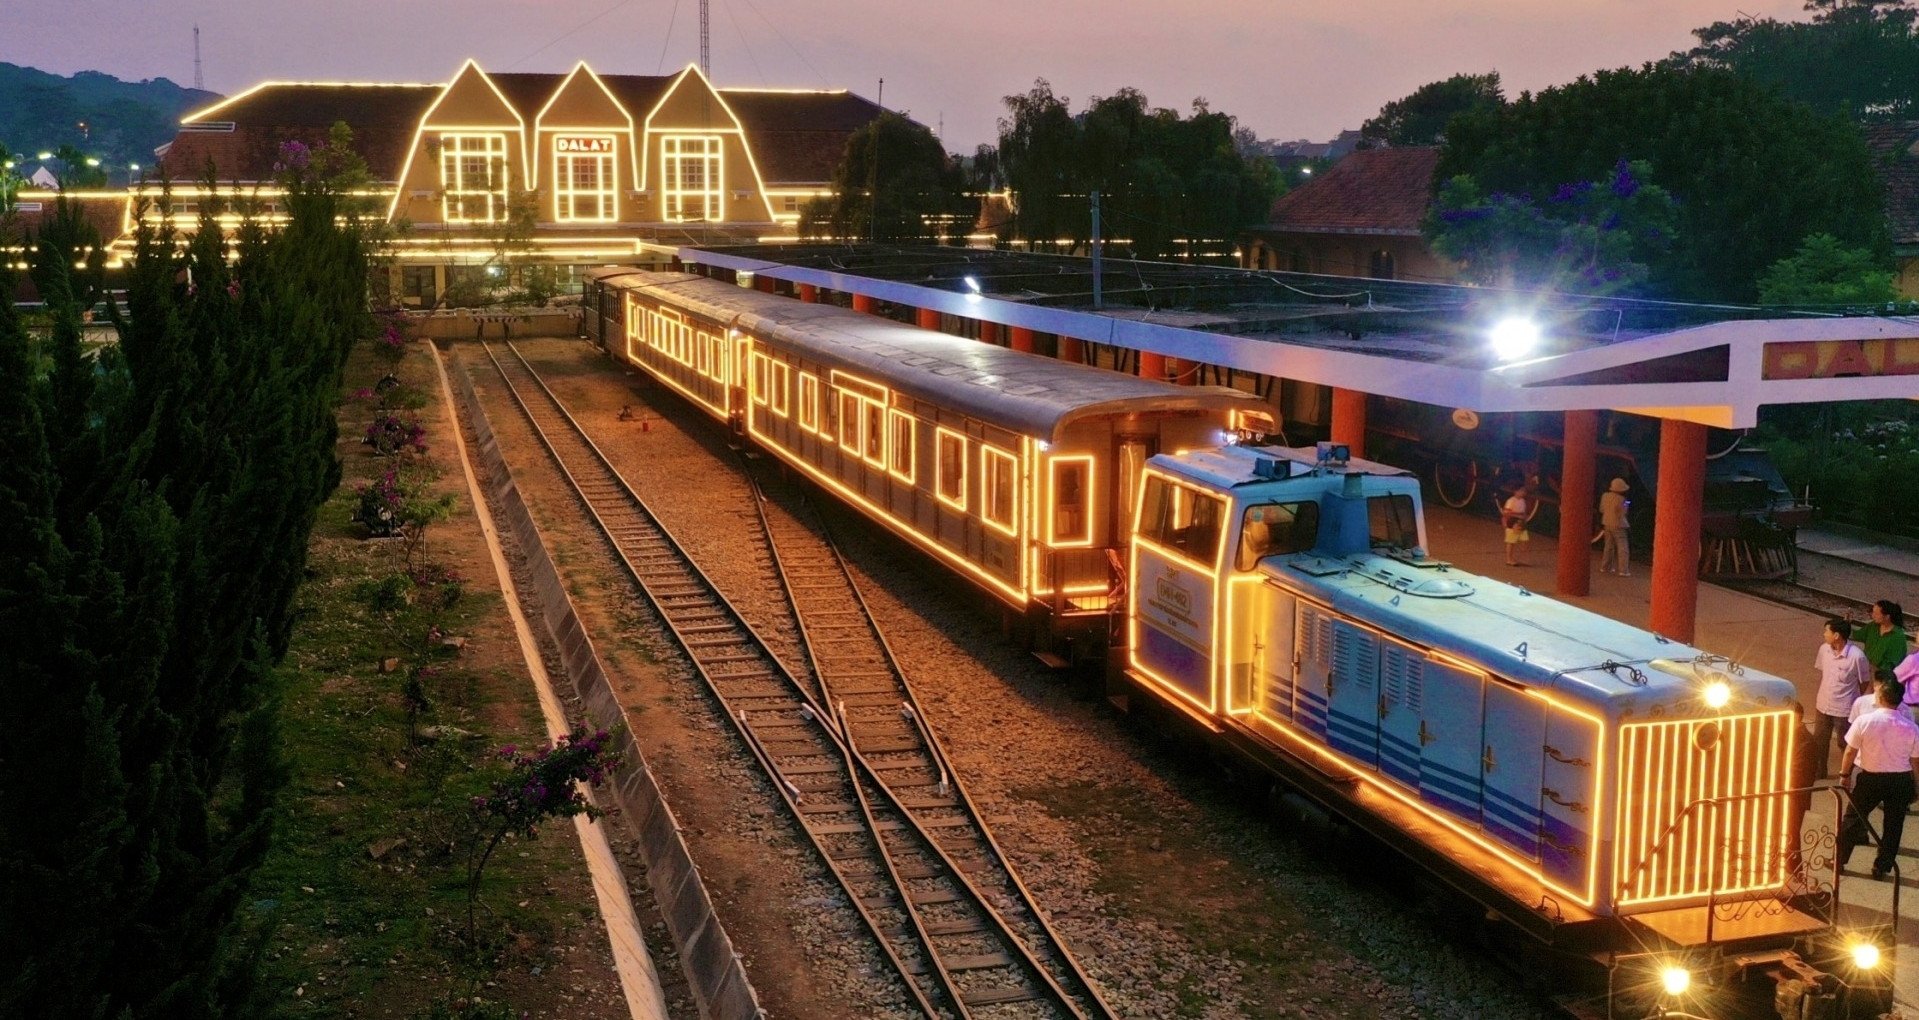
[714,970]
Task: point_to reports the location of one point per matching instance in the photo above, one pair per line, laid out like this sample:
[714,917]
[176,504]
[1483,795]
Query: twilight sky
[1286,68]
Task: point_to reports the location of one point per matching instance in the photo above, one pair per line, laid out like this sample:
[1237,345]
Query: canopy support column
[1675,528]
[1577,469]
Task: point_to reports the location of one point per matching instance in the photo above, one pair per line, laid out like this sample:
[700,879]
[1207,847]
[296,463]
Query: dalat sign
[590,144]
[1833,359]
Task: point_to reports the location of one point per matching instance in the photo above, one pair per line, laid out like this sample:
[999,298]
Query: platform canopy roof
[1714,364]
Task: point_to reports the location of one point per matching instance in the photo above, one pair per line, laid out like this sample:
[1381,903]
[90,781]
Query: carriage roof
[1026,393]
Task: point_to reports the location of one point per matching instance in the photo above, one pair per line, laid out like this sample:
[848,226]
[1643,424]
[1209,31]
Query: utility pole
[706,38]
[199,80]
[1096,248]
[873,169]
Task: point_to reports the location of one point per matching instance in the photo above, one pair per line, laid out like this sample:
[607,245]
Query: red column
[989,332]
[1349,419]
[1071,349]
[1675,528]
[926,318]
[1152,366]
[865,303]
[763,283]
[809,293]
[1576,471]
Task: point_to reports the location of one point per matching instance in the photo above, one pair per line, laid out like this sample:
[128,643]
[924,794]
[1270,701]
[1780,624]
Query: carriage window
[1186,521]
[1274,529]
[849,421]
[874,433]
[1391,522]
[952,467]
[809,402]
[782,381]
[1072,523]
[997,495]
[899,448]
[760,380]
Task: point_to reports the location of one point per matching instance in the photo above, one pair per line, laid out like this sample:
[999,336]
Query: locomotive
[1627,802]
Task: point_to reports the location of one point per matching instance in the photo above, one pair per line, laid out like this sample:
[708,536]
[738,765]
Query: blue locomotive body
[1291,600]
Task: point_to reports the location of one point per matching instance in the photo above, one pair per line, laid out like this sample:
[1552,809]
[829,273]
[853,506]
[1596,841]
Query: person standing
[1883,639]
[1615,546]
[1512,516]
[1885,746]
[1843,676]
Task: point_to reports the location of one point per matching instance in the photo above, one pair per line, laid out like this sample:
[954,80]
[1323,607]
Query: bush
[390,432]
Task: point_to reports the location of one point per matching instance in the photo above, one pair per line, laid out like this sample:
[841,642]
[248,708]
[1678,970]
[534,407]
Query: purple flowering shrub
[382,505]
[544,784]
[391,432]
[391,334]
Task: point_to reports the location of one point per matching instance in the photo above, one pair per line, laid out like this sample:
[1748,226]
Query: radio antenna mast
[199,80]
[706,39]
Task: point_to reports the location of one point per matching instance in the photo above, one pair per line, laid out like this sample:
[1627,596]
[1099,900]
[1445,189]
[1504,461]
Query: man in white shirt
[1885,746]
[1843,676]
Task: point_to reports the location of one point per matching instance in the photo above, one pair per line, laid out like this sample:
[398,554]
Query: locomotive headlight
[1865,955]
[1675,980]
[1718,694]
[1514,337]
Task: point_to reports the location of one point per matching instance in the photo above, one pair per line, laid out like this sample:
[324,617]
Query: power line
[668,37]
[782,36]
[730,16]
[571,31]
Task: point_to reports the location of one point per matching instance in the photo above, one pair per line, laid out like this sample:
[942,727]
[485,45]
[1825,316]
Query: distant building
[1359,217]
[1896,151]
[1301,151]
[605,168]
[43,179]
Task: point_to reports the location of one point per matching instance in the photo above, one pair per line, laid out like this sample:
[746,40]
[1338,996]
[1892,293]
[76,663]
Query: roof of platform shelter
[1421,341]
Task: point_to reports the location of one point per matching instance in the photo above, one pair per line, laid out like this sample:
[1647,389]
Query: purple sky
[1286,69]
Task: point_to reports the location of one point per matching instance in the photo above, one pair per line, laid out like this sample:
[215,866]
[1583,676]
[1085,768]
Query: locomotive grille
[1702,808]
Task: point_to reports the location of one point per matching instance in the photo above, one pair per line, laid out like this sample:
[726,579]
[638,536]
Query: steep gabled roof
[798,137]
[1898,165]
[1372,191]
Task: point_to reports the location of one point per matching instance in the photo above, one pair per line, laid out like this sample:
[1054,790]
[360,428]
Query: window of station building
[1071,482]
[473,178]
[1274,529]
[1380,265]
[809,402]
[998,488]
[1391,522]
[902,436]
[417,288]
[950,455]
[1181,519]
[584,184]
[690,177]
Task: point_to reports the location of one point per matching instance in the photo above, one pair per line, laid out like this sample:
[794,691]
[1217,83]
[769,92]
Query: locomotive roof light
[1513,337]
[1717,695]
[1865,955]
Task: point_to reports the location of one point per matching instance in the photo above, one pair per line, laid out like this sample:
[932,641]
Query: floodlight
[1718,694]
[44,155]
[972,292]
[1514,337]
[1675,980]
[93,161]
[1865,955]
[1306,171]
[133,166]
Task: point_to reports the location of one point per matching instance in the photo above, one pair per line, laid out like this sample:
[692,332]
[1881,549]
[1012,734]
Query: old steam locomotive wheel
[1455,482]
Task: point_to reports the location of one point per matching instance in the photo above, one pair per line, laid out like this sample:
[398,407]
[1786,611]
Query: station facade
[566,170]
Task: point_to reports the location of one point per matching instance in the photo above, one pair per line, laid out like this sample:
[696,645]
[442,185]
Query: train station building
[1612,385]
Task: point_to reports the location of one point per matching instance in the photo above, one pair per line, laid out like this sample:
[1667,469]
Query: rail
[889,862]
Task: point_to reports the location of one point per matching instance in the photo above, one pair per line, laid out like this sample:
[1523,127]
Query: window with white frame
[998,493]
[690,178]
[951,453]
[809,402]
[584,185]
[902,434]
[473,177]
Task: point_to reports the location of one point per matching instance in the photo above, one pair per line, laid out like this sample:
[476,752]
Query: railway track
[1813,599]
[872,793]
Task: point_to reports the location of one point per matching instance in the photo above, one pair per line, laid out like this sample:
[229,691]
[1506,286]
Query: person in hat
[1615,548]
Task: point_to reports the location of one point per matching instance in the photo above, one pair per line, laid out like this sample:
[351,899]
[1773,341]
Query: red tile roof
[1892,148]
[1372,191]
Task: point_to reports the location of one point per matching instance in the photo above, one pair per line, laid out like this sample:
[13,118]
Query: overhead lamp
[133,166]
[1514,337]
[44,155]
[1306,171]
[93,161]
[972,286]
[1675,980]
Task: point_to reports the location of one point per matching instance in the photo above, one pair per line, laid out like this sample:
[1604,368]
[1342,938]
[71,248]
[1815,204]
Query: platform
[1859,550]
[1754,632]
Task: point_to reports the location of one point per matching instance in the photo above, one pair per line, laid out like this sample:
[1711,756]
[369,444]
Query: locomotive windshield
[1186,521]
[1272,529]
[1391,522]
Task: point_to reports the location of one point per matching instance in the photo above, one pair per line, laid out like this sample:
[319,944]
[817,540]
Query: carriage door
[1352,717]
[1131,454]
[1314,677]
[1272,665]
[1452,726]
[1402,688]
[1512,766]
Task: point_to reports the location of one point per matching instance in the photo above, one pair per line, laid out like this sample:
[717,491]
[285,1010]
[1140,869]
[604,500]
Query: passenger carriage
[1017,471]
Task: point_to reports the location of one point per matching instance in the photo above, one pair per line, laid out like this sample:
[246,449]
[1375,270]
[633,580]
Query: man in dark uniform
[1885,746]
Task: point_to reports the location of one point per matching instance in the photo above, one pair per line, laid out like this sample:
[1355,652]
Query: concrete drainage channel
[706,953]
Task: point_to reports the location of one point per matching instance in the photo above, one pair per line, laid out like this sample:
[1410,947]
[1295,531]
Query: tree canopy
[1589,237]
[1162,177]
[1825,272]
[1752,173]
[1421,118]
[1854,58]
[894,182]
